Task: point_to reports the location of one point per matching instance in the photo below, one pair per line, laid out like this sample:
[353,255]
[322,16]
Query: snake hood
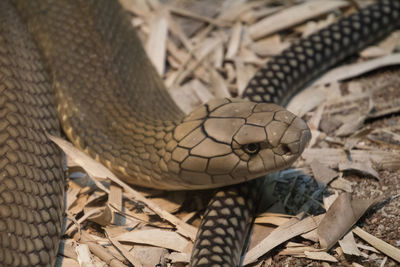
[228,141]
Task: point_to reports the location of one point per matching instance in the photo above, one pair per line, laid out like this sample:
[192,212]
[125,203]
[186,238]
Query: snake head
[228,141]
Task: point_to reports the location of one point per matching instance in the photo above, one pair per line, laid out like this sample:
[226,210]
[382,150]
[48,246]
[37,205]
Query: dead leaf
[363,168]
[290,229]
[348,245]
[156,237]
[340,217]
[379,244]
[322,173]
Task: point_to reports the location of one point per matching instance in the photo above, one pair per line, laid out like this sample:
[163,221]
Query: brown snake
[85,56]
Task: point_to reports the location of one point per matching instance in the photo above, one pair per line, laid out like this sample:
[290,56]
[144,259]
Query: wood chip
[332,156]
[84,255]
[156,237]
[234,41]
[363,168]
[292,16]
[343,213]
[320,255]
[356,69]
[157,41]
[342,184]
[379,244]
[322,173]
[95,169]
[348,245]
[292,228]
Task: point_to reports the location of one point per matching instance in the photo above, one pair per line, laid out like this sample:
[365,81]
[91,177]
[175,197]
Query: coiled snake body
[85,56]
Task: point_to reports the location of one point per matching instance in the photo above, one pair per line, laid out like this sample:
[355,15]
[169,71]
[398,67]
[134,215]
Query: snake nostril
[286,149]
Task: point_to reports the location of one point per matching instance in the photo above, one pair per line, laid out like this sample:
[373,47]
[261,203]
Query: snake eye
[251,148]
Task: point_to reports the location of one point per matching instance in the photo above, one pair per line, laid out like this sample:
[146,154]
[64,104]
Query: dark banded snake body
[80,62]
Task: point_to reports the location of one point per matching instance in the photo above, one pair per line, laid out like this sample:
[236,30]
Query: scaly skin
[144,143]
[31,177]
[85,55]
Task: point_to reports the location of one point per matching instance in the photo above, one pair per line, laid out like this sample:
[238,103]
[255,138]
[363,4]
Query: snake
[77,66]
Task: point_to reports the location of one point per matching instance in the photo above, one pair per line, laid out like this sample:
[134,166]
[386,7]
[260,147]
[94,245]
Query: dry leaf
[356,69]
[340,217]
[292,16]
[95,169]
[320,255]
[348,245]
[364,168]
[379,244]
[322,173]
[292,228]
[156,237]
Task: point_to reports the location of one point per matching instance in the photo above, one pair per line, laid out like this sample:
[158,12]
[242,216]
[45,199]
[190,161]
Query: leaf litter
[211,49]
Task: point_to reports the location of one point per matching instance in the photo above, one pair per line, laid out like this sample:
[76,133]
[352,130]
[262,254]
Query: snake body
[85,56]
[281,78]
[113,106]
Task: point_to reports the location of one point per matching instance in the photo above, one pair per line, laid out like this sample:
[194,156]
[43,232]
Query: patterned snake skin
[111,104]
[31,179]
[277,82]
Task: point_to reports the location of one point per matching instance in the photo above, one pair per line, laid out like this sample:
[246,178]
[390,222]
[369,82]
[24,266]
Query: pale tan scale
[284,116]
[222,164]
[194,163]
[192,139]
[237,211]
[197,114]
[163,166]
[234,110]
[205,242]
[256,165]
[218,249]
[173,167]
[208,233]
[203,261]
[295,147]
[219,231]
[218,204]
[278,160]
[194,179]
[229,202]
[233,221]
[220,179]
[266,108]
[209,148]
[222,129]
[216,103]
[219,240]
[171,145]
[180,154]
[216,258]
[275,131]
[209,223]
[291,135]
[261,118]
[240,170]
[250,134]
[185,128]
[280,150]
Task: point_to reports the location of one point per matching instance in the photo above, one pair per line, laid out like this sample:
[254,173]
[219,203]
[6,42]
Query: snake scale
[79,62]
